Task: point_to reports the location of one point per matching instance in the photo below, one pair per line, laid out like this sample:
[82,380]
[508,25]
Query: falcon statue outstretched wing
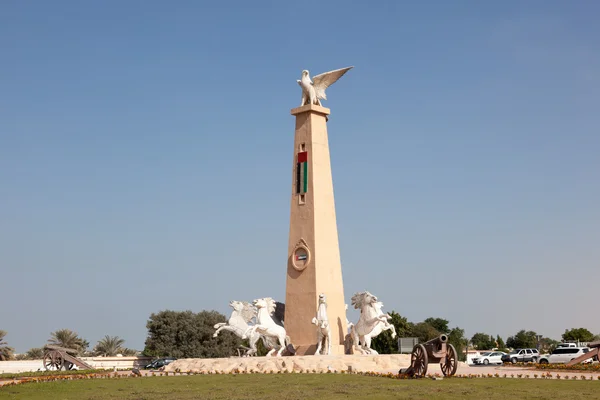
[326,79]
[313,91]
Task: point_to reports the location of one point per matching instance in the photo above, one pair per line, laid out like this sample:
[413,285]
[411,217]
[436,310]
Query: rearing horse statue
[370,318]
[239,323]
[265,325]
[380,327]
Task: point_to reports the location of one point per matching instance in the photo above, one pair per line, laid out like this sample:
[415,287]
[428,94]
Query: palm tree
[110,346]
[69,339]
[84,346]
[35,353]
[128,352]
[6,353]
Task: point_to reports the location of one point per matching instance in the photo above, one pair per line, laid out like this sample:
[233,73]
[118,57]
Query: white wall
[20,366]
[95,362]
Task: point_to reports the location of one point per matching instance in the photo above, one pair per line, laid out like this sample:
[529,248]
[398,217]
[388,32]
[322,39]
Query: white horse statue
[380,327]
[323,331]
[239,323]
[369,319]
[265,325]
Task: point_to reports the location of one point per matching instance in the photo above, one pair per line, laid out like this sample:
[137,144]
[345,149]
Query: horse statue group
[255,322]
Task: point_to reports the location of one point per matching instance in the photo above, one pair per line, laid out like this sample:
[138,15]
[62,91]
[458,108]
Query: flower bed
[543,375]
[54,373]
[589,367]
[52,378]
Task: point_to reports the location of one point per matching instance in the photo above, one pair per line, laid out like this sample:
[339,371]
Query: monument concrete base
[293,364]
[310,349]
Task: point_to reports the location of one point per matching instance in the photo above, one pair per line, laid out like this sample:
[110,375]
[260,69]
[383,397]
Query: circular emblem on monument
[300,256]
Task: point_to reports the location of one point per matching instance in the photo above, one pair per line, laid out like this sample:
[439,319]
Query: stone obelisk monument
[314,265]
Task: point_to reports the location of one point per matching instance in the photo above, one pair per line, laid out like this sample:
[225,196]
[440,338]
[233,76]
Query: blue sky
[145,155]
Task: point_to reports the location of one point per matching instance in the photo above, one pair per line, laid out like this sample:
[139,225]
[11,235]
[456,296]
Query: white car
[494,357]
[562,355]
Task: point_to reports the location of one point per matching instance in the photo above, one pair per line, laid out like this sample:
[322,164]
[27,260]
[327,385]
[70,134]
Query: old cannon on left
[57,358]
[437,350]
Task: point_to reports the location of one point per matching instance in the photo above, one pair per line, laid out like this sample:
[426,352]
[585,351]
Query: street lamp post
[539,339]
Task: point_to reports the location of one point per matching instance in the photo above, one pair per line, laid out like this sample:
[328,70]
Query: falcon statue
[313,91]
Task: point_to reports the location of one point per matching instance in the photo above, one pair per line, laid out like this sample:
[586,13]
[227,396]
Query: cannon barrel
[438,340]
[595,344]
[59,348]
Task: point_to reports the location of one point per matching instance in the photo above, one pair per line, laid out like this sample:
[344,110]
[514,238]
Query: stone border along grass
[31,374]
[116,375]
[54,378]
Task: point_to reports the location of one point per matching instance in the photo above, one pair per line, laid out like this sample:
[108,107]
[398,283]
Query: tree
[548,345]
[456,337]
[84,348]
[188,335]
[126,352]
[483,341]
[500,343]
[36,353]
[523,339]
[69,339]
[424,331]
[6,352]
[441,325]
[577,335]
[109,346]
[383,343]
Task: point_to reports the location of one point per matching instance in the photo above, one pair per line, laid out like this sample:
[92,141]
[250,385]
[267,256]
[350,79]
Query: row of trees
[526,339]
[108,346]
[189,335]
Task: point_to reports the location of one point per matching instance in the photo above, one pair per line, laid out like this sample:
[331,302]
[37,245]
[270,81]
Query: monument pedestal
[314,265]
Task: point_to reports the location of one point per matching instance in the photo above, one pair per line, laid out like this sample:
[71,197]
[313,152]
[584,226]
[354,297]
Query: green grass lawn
[300,386]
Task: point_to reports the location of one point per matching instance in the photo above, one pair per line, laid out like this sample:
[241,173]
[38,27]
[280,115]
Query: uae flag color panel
[302,173]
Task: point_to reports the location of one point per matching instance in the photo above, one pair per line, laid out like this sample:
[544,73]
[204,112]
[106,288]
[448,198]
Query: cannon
[57,358]
[593,353]
[434,351]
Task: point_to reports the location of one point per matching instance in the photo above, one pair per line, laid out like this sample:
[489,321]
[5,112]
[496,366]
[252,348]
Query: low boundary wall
[95,362]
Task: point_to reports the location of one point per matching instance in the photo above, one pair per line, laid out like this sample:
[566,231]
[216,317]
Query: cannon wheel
[449,367]
[53,360]
[418,360]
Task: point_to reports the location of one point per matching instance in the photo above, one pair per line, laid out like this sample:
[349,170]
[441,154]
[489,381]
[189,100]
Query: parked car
[521,355]
[562,355]
[490,357]
[475,360]
[161,362]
